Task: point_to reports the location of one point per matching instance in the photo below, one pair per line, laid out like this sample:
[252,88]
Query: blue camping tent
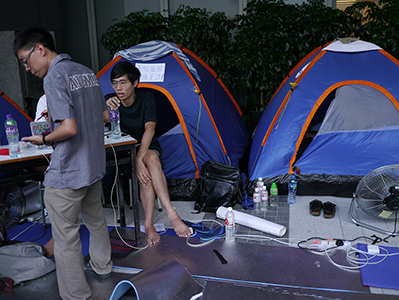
[333,119]
[23,120]
[198,119]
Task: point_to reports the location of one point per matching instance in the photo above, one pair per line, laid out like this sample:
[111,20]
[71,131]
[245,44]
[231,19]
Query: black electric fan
[17,202]
[12,208]
[377,194]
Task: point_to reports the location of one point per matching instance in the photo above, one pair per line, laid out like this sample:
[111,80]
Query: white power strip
[328,244]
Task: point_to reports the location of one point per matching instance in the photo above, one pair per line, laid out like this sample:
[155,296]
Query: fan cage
[374,188]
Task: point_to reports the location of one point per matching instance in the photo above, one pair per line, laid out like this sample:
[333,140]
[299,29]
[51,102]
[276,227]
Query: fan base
[365,225]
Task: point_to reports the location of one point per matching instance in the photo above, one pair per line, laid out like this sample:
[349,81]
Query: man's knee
[152,159]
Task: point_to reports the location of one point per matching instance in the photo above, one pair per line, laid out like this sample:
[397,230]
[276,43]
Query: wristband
[45,142]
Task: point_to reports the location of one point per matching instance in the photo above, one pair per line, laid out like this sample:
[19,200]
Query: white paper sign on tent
[151,72]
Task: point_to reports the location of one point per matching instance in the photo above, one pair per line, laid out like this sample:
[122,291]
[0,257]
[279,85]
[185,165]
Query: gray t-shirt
[73,92]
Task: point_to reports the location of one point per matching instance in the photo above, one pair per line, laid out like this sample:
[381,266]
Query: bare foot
[49,248]
[152,235]
[180,228]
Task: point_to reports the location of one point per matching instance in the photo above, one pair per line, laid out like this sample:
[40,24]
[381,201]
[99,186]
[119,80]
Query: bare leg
[161,189]
[49,248]
[147,197]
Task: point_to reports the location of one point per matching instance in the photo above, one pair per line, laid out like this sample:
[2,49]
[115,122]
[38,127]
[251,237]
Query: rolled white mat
[253,222]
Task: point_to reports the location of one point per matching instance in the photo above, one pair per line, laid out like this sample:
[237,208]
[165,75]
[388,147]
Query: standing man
[76,112]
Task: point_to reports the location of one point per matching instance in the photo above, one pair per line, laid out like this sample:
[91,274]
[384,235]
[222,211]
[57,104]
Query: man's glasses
[122,84]
[25,61]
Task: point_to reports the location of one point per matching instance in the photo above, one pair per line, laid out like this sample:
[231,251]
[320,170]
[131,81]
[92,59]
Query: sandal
[198,227]
[329,210]
[215,233]
[315,207]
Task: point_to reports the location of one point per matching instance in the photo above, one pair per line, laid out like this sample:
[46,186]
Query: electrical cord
[42,236]
[356,258]
[44,155]
[316,238]
[23,231]
[353,257]
[262,237]
[113,207]
[238,236]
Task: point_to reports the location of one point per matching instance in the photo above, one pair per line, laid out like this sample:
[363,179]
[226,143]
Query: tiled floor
[300,224]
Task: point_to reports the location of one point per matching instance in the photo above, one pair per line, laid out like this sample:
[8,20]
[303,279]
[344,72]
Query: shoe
[315,207]
[329,210]
[198,227]
[88,268]
[214,233]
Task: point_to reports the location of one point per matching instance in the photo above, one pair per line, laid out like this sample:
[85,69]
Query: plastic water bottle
[256,198]
[12,133]
[259,183]
[115,124]
[292,186]
[230,225]
[273,195]
[264,197]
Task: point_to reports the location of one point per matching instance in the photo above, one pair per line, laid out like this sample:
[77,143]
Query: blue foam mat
[168,280]
[385,273]
[34,232]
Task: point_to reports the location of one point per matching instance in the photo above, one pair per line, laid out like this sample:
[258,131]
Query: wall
[75,31]
[17,15]
[229,7]
[10,81]
[106,15]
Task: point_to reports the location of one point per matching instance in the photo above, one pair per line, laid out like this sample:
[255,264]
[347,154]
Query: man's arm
[146,139]
[67,129]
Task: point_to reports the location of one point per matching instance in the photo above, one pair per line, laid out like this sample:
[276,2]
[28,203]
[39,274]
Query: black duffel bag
[220,185]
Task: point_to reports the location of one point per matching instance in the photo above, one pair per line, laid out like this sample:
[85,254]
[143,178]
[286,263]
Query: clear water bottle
[264,197]
[256,199]
[292,186]
[115,124]
[230,225]
[12,133]
[273,199]
[259,183]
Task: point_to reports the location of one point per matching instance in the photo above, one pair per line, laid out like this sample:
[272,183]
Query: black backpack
[220,185]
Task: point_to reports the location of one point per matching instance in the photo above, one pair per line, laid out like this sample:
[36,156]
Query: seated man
[41,109]
[138,119]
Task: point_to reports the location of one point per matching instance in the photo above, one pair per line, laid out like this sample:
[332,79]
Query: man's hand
[143,175]
[35,139]
[44,114]
[113,102]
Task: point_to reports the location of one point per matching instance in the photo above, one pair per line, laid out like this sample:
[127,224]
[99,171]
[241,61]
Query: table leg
[135,187]
[121,203]
[42,204]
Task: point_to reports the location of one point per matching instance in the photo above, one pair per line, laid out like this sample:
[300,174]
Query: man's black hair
[29,37]
[125,68]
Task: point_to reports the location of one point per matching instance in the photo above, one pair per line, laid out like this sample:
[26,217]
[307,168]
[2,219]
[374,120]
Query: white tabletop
[29,151]
[108,140]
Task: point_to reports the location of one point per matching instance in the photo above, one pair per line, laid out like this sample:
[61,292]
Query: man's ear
[136,83]
[43,51]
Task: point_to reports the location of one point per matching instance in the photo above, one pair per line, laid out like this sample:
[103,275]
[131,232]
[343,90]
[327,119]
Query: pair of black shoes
[315,207]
